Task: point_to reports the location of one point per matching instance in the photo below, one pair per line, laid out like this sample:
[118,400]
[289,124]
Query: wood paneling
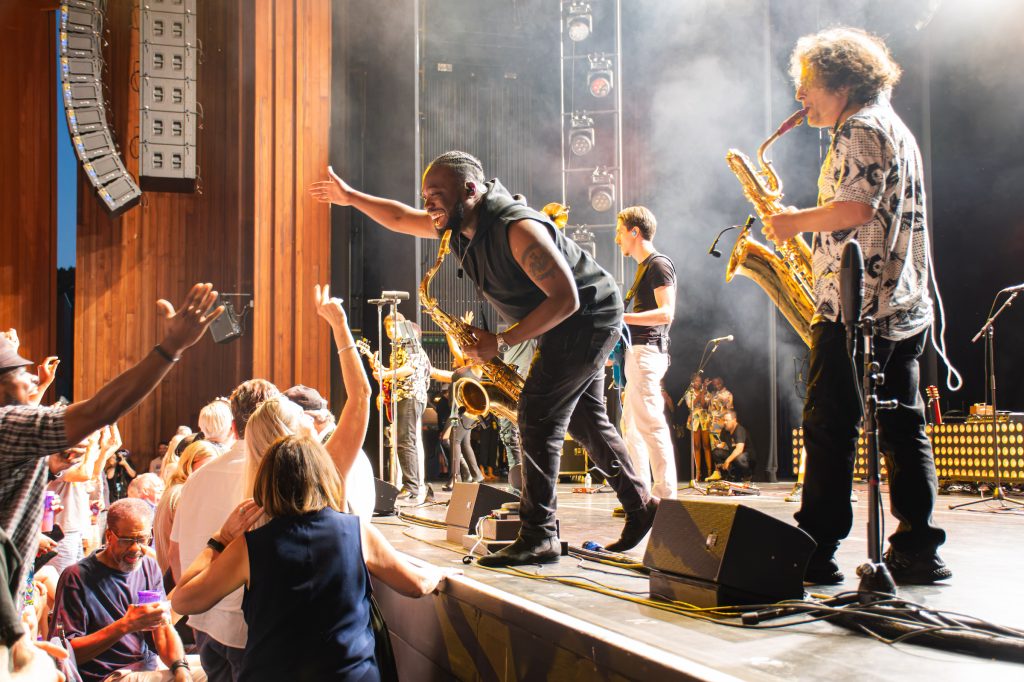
[292,76]
[28,218]
[158,249]
[264,88]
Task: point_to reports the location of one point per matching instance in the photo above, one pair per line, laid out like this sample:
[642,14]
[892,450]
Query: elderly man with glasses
[108,602]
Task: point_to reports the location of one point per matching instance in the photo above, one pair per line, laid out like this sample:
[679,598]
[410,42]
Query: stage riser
[473,632]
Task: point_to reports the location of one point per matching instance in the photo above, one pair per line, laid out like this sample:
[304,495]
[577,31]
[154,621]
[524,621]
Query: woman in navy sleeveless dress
[307,598]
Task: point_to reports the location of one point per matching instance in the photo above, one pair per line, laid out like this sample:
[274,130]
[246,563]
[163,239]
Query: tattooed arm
[535,251]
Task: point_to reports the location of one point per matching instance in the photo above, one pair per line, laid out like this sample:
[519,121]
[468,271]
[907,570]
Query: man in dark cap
[315,405]
[29,432]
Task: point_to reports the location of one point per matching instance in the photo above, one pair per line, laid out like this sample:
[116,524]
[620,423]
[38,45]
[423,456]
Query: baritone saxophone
[785,275]
[497,392]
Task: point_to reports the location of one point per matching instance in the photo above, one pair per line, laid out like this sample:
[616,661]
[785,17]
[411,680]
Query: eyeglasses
[132,539]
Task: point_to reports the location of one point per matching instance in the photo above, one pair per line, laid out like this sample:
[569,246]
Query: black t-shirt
[740,435]
[659,273]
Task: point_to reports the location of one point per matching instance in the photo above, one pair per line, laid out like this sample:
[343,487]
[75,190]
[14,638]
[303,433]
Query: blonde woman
[198,453]
[281,417]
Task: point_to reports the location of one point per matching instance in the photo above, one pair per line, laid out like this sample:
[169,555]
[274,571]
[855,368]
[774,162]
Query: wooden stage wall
[263,84]
[28,217]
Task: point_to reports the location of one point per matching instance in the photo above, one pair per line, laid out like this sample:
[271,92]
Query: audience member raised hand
[186,325]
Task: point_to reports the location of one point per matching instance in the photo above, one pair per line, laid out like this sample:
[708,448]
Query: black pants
[830,420]
[739,469]
[565,391]
[462,451]
[408,417]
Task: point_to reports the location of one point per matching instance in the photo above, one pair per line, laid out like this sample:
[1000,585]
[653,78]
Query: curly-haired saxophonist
[553,291]
[871,188]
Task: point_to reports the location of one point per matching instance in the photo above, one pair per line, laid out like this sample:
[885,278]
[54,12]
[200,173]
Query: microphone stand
[875,578]
[392,476]
[988,330]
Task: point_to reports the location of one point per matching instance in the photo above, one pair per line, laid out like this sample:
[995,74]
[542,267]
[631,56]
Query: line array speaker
[81,81]
[168,110]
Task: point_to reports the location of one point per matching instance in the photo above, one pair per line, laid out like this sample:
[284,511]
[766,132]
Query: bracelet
[180,663]
[164,354]
[215,545]
[348,347]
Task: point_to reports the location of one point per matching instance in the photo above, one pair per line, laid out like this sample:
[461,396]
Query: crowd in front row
[267,496]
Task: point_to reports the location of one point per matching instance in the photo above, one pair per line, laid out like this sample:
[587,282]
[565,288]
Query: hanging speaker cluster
[81,83]
[168,110]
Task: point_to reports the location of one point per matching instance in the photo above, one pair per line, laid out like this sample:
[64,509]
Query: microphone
[395,295]
[851,289]
[1014,289]
[377,301]
[722,339]
[745,226]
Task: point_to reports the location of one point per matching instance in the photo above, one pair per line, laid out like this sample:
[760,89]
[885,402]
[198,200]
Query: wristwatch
[502,346]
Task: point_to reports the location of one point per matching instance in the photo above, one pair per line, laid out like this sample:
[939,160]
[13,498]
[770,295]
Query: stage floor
[985,552]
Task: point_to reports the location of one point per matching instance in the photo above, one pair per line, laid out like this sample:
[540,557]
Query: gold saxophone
[786,275]
[498,391]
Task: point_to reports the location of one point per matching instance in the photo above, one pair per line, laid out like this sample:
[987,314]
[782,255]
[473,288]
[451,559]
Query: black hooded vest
[487,259]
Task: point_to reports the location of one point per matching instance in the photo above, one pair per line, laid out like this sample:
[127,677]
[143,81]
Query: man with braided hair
[547,288]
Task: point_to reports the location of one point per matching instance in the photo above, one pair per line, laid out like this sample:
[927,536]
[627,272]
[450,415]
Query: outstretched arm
[344,444]
[388,566]
[394,215]
[183,328]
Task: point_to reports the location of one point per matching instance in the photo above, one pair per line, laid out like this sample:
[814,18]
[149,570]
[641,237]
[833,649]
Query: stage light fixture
[600,79]
[579,21]
[581,134]
[602,190]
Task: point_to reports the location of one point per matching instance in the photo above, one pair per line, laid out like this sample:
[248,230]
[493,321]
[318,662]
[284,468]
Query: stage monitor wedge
[81,86]
[714,553]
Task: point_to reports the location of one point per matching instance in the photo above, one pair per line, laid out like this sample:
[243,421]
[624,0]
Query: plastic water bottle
[587,481]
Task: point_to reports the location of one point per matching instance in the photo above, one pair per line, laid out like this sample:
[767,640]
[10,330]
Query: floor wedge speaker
[468,503]
[386,496]
[735,553]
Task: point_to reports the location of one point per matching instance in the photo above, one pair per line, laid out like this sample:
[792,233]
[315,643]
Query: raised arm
[394,215]
[183,328]
[344,444]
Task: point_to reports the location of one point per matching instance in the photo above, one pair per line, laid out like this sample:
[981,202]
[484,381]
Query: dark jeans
[831,417]
[408,417]
[739,469]
[221,663]
[565,391]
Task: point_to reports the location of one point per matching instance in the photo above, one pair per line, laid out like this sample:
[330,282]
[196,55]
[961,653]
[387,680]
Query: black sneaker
[524,552]
[916,568]
[823,572]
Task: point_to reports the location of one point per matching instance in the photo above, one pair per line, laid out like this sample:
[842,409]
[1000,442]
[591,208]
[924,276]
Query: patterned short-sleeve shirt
[875,160]
[27,435]
[416,384]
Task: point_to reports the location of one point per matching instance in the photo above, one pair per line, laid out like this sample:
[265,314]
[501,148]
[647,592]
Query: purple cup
[149,596]
[48,498]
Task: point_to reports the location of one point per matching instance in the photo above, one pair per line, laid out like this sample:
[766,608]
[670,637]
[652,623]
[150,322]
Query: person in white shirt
[207,498]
